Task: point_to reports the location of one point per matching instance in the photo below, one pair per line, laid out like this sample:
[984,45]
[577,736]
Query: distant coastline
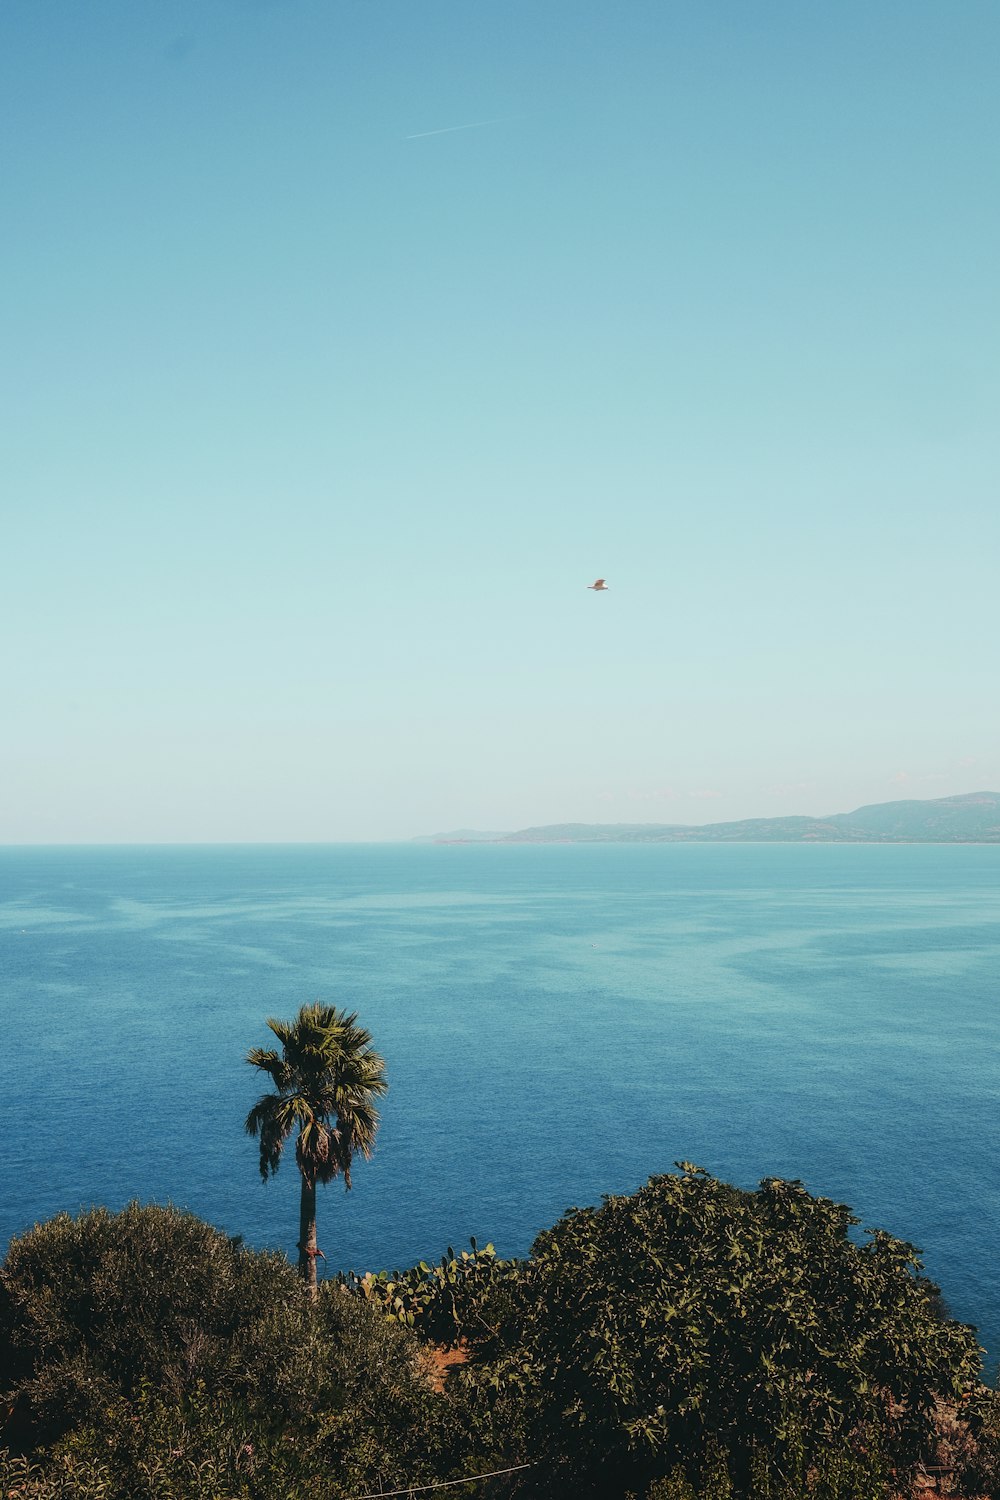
[972,818]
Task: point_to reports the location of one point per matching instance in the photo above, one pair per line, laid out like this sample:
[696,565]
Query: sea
[559,1022]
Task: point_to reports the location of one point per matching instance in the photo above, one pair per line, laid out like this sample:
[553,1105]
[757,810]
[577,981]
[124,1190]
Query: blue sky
[317,423]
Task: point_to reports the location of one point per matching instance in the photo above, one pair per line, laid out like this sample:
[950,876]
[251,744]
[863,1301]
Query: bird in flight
[599,584]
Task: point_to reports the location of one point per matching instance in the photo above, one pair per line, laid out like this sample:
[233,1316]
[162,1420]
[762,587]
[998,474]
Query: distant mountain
[462,836]
[970,819]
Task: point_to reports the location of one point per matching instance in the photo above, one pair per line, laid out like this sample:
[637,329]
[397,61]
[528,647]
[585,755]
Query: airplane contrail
[474,125]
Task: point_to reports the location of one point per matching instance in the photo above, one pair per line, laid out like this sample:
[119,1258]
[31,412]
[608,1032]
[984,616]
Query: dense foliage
[689,1342]
[692,1320]
[152,1349]
[94,1307]
[443,1301]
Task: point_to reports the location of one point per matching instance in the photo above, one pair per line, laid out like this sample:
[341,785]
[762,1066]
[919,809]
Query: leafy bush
[380,1423]
[438,1301]
[93,1307]
[155,1356]
[693,1317]
[690,1342]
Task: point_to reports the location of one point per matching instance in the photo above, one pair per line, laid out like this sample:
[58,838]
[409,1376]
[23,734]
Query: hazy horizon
[346,345]
[430,834]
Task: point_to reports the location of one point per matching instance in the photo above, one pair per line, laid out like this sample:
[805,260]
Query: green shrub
[438,1301]
[690,1342]
[92,1307]
[151,1354]
[692,1316]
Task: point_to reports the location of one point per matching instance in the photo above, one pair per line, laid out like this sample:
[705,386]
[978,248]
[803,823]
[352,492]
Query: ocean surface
[559,1022]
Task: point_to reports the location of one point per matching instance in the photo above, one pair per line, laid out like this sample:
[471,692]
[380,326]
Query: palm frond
[260,1115]
[269,1120]
[269,1062]
[363,1127]
[282,1029]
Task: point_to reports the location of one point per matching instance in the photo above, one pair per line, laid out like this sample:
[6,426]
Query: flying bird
[599,584]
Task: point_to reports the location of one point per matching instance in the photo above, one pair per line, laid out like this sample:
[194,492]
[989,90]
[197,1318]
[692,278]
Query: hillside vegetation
[690,1341]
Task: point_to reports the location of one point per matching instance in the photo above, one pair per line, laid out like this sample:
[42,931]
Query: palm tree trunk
[307,1235]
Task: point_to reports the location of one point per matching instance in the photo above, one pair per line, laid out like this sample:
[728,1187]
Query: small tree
[327,1077]
[147,1356]
[693,1318]
[98,1307]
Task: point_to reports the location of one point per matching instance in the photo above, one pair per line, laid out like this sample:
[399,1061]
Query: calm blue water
[559,1022]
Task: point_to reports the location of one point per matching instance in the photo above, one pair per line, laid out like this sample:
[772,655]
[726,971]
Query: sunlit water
[558,1022]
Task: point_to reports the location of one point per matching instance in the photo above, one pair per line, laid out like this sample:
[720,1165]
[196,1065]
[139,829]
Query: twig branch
[444,1484]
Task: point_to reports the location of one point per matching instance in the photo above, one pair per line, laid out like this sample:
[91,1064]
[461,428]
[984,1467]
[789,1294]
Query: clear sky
[345,341]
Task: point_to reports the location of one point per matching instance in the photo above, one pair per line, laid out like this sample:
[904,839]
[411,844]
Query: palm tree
[327,1077]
